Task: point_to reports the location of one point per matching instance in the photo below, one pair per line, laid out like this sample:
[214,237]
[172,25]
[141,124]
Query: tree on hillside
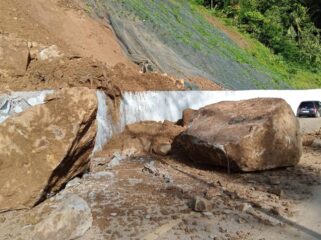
[314,7]
[288,27]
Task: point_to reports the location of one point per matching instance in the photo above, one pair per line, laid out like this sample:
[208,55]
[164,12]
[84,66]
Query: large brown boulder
[250,135]
[45,146]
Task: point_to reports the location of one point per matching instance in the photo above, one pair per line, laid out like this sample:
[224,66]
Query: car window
[307,105]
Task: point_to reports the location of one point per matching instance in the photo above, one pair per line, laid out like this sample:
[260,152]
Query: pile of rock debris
[47,150]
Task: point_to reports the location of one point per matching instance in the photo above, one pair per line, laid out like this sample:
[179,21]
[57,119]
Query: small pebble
[2,219]
[207,214]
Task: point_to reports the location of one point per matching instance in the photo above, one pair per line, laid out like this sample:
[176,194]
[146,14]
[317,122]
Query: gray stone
[200,204]
[50,53]
[69,220]
[316,143]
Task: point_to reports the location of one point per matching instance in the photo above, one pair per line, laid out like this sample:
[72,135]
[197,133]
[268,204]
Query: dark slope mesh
[174,38]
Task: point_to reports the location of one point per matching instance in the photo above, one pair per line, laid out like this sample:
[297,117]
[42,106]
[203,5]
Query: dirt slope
[82,50]
[64,24]
[233,35]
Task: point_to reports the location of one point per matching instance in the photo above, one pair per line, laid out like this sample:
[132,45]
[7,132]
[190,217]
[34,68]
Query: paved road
[310,124]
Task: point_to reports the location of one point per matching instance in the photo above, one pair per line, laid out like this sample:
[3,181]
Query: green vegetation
[285,26]
[290,56]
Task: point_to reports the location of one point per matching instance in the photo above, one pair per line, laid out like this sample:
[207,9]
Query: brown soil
[64,24]
[271,195]
[75,72]
[204,84]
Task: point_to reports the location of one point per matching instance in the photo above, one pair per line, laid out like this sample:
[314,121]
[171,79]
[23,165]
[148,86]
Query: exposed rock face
[69,219]
[248,135]
[45,146]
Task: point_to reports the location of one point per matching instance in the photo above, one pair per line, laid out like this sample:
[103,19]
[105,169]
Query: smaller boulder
[161,146]
[70,219]
[50,53]
[200,204]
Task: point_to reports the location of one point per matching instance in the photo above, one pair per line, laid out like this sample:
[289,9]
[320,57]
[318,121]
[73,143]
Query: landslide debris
[47,68]
[85,72]
[139,139]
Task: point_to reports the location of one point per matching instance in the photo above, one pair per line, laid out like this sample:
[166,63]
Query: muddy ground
[144,196]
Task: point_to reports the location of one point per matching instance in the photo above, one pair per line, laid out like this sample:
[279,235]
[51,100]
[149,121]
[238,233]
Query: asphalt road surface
[310,124]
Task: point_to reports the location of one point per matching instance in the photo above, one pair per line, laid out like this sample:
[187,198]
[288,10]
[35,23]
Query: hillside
[181,39]
[289,28]
[178,37]
[54,44]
